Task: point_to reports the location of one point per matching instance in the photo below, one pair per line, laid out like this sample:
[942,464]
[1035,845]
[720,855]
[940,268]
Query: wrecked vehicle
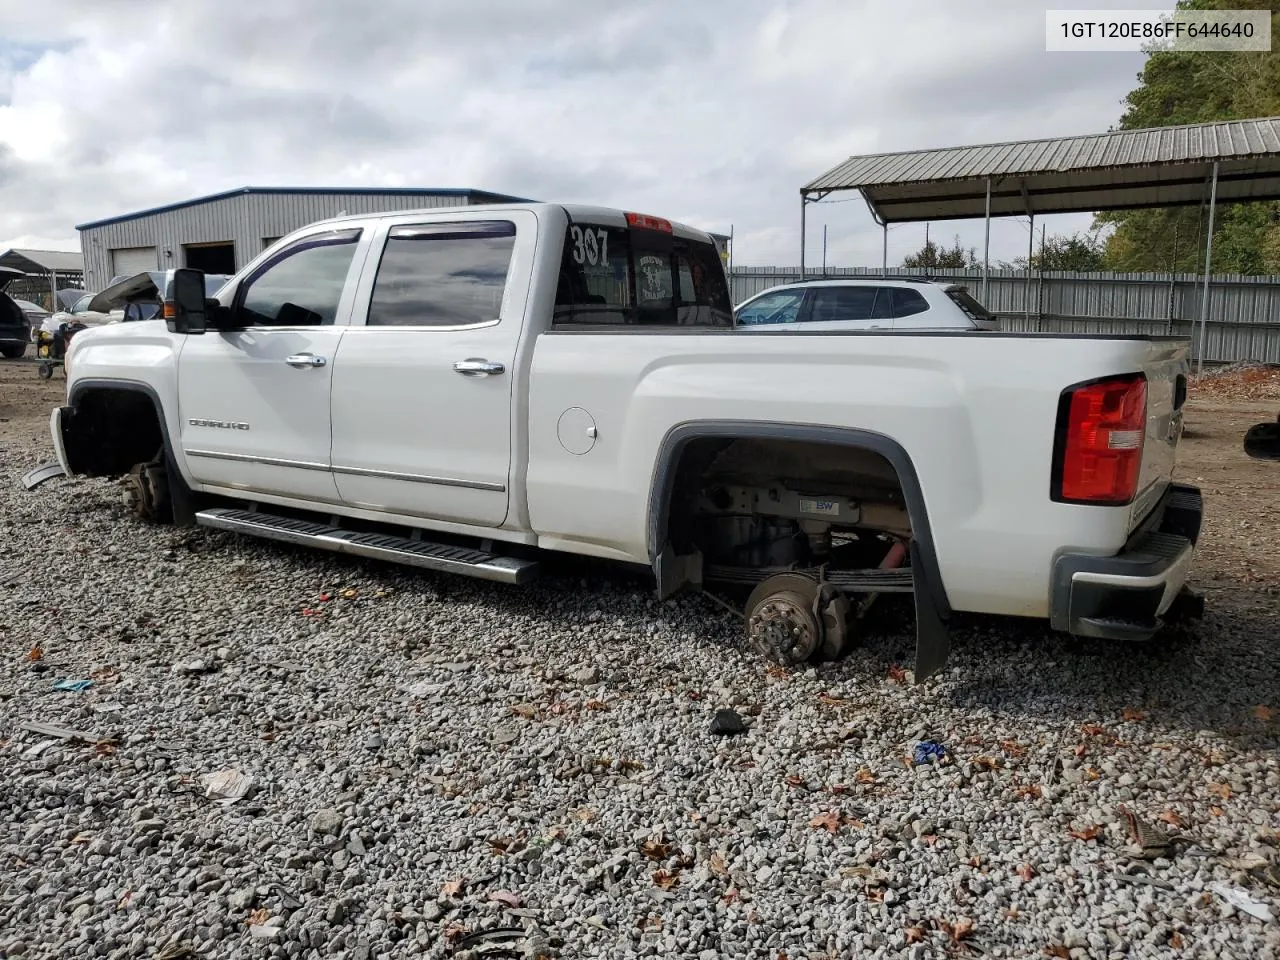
[140,297]
[463,389]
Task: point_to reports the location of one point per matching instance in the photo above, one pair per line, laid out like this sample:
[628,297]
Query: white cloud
[714,112]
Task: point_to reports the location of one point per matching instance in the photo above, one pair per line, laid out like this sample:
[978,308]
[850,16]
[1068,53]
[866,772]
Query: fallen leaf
[826,821]
[1091,773]
[453,888]
[104,748]
[778,673]
[455,932]
[1222,790]
[916,934]
[1057,950]
[897,674]
[35,653]
[258,917]
[782,955]
[795,780]
[958,931]
[325,597]
[526,710]
[1263,713]
[666,879]
[1088,833]
[975,862]
[1030,791]
[1217,811]
[875,895]
[594,704]
[585,814]
[1026,872]
[1173,818]
[865,775]
[718,866]
[1130,715]
[730,895]
[656,849]
[506,898]
[830,699]
[1013,748]
[1175,941]
[1079,750]
[986,763]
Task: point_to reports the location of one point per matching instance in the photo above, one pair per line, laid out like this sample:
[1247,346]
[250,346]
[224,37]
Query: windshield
[616,276]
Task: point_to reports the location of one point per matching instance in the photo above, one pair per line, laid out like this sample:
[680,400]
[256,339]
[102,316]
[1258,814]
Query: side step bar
[377,546]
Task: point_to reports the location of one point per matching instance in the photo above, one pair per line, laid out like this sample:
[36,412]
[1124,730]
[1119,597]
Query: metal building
[222,232]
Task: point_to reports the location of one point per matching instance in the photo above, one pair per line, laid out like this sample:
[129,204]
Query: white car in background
[867,304]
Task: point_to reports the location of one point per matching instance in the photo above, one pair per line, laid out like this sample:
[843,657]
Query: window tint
[440,275]
[624,276]
[301,285]
[780,307]
[850,303]
[908,302]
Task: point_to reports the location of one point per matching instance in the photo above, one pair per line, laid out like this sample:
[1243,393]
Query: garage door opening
[210,257]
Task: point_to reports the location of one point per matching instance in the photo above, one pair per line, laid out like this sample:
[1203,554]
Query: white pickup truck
[465,389]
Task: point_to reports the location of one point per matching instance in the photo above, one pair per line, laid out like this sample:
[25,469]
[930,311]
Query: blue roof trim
[461,193]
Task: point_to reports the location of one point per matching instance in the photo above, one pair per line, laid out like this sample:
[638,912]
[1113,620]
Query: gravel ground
[433,757]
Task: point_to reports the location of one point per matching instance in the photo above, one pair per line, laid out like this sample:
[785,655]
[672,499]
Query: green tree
[1079,252]
[1176,88]
[932,257]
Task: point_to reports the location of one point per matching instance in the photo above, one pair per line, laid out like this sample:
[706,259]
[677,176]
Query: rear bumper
[1123,597]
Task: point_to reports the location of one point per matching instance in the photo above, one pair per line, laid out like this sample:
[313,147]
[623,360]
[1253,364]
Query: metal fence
[1243,321]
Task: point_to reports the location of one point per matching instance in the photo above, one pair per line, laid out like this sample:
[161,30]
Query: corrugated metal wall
[1244,312]
[245,220]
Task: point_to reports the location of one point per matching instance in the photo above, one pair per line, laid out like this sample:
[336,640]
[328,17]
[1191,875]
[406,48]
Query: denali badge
[223,424]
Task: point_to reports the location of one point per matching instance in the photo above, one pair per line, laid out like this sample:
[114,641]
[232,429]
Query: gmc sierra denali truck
[465,389]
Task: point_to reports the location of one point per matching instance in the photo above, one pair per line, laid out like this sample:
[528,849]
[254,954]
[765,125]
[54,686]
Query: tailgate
[1166,366]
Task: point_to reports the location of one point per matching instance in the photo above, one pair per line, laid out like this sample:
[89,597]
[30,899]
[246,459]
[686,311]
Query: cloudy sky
[709,111]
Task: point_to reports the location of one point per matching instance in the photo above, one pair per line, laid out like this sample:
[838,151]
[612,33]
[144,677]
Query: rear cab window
[641,275]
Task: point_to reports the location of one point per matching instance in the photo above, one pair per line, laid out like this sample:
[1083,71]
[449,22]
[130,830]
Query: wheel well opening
[108,431]
[767,503]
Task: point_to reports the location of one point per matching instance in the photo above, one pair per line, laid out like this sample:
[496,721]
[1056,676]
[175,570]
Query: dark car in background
[15,324]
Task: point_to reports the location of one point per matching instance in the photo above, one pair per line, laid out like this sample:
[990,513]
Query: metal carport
[1234,161]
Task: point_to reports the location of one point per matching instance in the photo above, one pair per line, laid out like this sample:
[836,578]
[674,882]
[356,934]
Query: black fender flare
[932,605]
[180,492]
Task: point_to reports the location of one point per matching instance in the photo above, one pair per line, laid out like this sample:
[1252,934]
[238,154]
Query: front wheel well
[108,430]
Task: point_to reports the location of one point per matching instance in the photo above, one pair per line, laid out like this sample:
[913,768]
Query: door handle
[305,360]
[475,367]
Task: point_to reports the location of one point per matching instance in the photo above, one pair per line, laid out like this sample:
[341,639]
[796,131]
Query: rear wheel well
[110,429]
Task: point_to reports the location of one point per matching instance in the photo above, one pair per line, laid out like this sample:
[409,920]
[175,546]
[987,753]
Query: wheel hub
[783,628]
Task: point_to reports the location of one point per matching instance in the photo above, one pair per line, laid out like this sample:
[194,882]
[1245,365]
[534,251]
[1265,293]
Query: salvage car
[866,304]
[140,296]
[466,389]
[15,324]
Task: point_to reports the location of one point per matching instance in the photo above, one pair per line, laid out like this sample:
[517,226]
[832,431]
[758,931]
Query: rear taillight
[1097,454]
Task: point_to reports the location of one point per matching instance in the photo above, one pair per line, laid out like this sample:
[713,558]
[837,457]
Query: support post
[884,249]
[986,246]
[1031,243]
[53,291]
[804,202]
[824,249]
[1208,267]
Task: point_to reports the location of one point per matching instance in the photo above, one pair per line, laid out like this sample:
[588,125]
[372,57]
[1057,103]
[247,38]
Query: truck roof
[615,216]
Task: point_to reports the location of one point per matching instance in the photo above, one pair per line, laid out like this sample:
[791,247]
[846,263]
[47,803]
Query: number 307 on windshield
[590,246]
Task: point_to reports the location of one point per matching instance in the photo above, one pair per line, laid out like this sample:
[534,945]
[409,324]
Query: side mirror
[1262,442]
[185,310]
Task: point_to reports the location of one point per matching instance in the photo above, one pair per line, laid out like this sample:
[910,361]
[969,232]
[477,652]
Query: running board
[376,546]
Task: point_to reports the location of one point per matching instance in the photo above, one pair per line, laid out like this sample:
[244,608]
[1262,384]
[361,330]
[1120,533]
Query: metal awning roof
[42,261]
[1123,169]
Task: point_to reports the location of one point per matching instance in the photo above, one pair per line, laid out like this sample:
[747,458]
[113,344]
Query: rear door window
[852,303]
[639,276]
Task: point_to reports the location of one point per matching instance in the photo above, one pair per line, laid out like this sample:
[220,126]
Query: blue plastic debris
[73,686]
[928,750]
